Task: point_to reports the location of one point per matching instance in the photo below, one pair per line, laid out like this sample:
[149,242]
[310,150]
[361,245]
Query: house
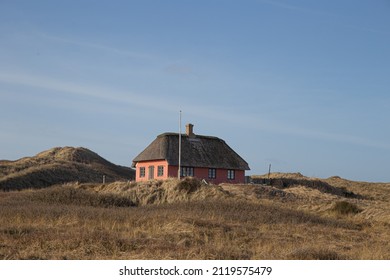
[203,157]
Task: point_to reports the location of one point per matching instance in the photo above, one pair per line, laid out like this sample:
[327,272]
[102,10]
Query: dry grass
[188,220]
[57,166]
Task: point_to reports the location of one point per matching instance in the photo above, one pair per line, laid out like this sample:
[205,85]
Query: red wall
[201,173]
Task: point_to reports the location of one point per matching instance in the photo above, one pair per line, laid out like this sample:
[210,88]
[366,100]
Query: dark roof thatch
[198,151]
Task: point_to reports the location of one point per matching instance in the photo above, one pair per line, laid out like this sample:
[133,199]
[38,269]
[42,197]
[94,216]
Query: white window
[230,174]
[151,172]
[142,171]
[160,170]
[187,172]
[212,173]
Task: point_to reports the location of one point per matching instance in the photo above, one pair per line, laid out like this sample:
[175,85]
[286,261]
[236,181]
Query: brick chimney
[189,130]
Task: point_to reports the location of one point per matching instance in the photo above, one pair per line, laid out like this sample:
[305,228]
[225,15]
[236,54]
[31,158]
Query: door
[151,172]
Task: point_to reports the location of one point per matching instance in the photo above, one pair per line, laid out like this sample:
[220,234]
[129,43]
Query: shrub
[345,208]
[315,254]
[189,185]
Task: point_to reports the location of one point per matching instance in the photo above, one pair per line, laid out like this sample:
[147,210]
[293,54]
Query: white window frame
[186,171]
[160,170]
[231,174]
[212,173]
[142,172]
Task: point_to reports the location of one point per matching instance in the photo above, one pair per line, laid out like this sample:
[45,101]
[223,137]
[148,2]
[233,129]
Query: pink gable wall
[148,164]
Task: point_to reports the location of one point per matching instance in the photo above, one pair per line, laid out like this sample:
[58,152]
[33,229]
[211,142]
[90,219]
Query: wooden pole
[269,171]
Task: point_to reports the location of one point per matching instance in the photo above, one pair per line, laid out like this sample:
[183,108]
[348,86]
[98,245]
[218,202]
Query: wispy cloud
[99,92]
[96,46]
[109,94]
[290,129]
[139,100]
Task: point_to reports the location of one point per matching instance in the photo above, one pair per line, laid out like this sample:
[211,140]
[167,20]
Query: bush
[345,208]
[189,185]
[315,254]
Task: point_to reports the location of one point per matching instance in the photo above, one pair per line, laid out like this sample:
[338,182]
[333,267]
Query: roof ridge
[185,135]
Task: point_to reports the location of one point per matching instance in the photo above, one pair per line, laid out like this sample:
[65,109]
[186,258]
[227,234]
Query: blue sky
[301,85]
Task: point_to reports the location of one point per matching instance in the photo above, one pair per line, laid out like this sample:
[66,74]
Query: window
[160,170]
[230,174]
[187,172]
[142,171]
[151,172]
[212,173]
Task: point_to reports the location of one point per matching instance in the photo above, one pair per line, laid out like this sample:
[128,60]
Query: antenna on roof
[179,166]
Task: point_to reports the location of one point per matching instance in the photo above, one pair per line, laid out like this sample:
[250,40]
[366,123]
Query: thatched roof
[197,151]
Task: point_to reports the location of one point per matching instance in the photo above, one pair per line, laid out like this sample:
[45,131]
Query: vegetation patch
[14,231]
[81,197]
[287,182]
[58,166]
[345,208]
[315,254]
[185,219]
[189,185]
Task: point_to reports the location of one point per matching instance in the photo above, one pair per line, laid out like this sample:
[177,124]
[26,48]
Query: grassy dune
[188,220]
[57,166]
